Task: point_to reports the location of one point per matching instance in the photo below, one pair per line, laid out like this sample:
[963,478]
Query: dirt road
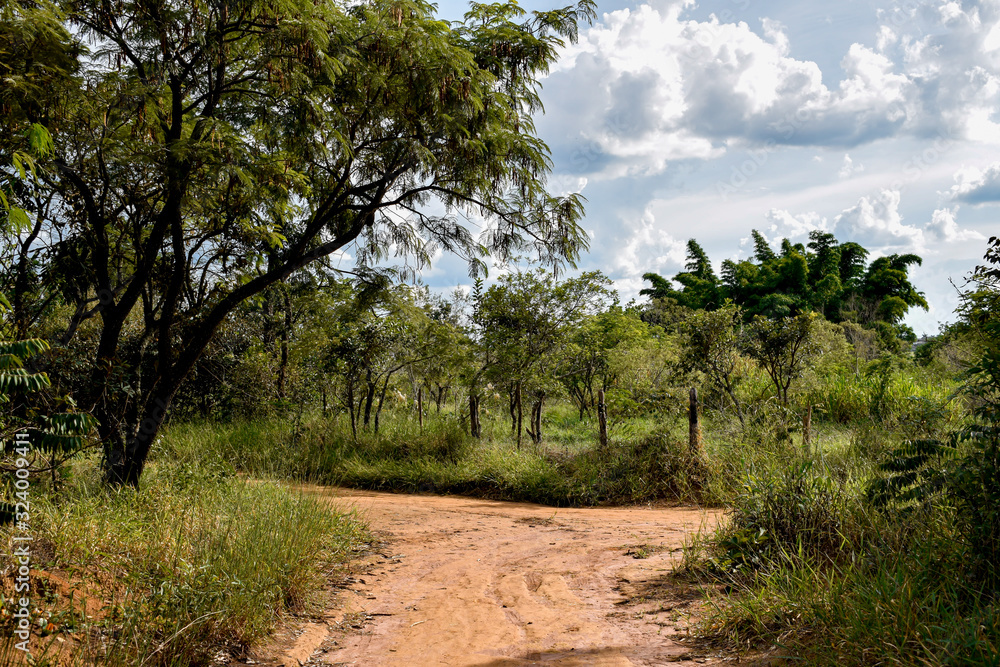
[465,582]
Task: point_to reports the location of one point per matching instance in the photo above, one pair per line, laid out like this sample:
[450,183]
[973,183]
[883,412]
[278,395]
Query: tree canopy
[824,276]
[203,151]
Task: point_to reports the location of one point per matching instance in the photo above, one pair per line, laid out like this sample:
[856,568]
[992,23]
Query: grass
[640,463]
[199,560]
[818,573]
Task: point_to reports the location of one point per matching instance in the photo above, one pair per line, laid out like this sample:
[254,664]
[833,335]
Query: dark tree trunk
[381,400]
[285,332]
[694,428]
[535,429]
[520,412]
[602,419]
[512,396]
[126,458]
[474,425]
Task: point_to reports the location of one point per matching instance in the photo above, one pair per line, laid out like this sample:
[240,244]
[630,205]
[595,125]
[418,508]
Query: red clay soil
[462,582]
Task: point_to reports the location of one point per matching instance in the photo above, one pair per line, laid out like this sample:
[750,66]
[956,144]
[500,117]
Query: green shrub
[782,516]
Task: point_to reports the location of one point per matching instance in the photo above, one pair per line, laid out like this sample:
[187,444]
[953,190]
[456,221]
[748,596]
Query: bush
[782,517]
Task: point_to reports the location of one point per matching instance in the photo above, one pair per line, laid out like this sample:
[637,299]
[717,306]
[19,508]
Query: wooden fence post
[694,429]
[474,415]
[602,418]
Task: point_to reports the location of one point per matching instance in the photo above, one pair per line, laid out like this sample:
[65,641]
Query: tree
[824,269]
[761,248]
[524,322]
[781,346]
[375,341]
[714,339]
[700,286]
[587,361]
[825,277]
[209,151]
[661,288]
[886,289]
[449,349]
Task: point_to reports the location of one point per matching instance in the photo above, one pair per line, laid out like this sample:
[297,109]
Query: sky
[877,121]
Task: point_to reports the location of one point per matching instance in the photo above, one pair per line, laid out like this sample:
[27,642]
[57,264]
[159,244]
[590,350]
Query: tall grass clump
[195,562]
[894,562]
[641,464]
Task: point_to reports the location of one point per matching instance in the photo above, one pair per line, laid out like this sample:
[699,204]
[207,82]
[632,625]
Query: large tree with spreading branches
[205,150]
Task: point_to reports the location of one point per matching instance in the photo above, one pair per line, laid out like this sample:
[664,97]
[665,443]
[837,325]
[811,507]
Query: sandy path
[465,582]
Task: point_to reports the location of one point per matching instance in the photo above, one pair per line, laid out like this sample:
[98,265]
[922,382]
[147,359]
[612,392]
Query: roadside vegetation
[197,563]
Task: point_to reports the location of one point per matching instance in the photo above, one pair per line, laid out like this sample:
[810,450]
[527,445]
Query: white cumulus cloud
[975,186]
[786,225]
[875,222]
[649,247]
[648,86]
[944,228]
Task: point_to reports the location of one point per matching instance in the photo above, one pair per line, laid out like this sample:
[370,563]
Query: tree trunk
[283,336]
[602,418]
[369,399]
[125,459]
[536,419]
[381,400]
[420,408]
[512,405]
[474,426]
[520,412]
[694,429]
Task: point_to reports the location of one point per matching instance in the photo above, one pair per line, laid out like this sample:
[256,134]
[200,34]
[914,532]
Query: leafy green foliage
[826,277]
[777,518]
[40,429]
[715,340]
[782,347]
[964,470]
[228,148]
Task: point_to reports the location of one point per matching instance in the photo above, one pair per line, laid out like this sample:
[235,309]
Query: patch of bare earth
[463,582]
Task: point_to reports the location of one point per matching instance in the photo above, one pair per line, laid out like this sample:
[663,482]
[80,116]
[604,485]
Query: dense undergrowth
[886,555]
[819,573]
[647,462]
[197,561]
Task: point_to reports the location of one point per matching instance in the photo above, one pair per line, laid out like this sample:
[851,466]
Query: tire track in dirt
[469,582]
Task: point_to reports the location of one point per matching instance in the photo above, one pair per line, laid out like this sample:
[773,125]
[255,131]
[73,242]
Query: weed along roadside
[196,565]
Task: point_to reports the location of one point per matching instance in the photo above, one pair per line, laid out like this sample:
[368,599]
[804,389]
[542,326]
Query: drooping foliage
[203,152]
